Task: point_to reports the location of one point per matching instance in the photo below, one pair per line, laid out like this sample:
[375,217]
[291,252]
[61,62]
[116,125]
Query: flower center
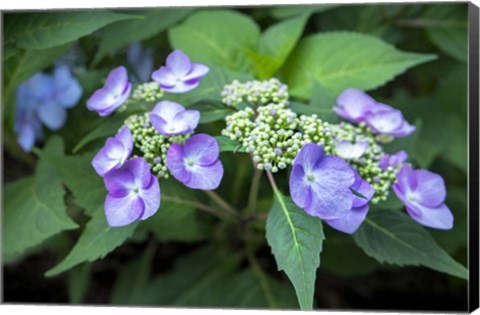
[412,197]
[310,178]
[136,189]
[190,162]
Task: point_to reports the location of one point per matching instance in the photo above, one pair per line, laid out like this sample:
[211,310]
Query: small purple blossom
[347,150]
[115,152]
[133,193]
[179,75]
[356,106]
[423,194]
[393,160]
[196,162]
[113,94]
[172,119]
[320,184]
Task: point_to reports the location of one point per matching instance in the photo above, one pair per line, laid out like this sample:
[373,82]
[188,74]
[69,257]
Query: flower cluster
[162,137]
[44,99]
[255,92]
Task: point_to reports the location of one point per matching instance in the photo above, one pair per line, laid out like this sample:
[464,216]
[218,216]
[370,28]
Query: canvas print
[282,157]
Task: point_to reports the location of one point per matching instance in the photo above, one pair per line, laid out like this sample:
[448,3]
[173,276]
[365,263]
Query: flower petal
[117,81]
[353,104]
[347,150]
[123,211]
[165,77]
[439,218]
[206,177]
[385,122]
[103,163]
[308,156]
[197,71]
[26,138]
[179,63]
[52,114]
[351,222]
[126,138]
[362,187]
[167,110]
[119,182]
[140,170]
[300,192]
[189,119]
[431,191]
[201,148]
[151,198]
[176,164]
[182,87]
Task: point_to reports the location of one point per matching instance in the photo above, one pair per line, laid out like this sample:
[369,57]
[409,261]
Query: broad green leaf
[177,219]
[78,283]
[97,240]
[33,210]
[447,27]
[339,60]
[321,103]
[395,238]
[132,279]
[120,34]
[79,176]
[228,145]
[276,44]
[49,29]
[218,37]
[212,111]
[296,242]
[283,12]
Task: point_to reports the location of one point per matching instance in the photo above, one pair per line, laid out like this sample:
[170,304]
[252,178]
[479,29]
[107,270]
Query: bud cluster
[255,92]
[153,145]
[149,91]
[367,165]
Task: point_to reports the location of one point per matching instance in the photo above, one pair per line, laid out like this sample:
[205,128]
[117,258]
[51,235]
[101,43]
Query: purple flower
[133,193]
[347,150]
[179,75]
[320,184]
[357,214]
[141,60]
[172,119]
[115,152]
[423,194]
[196,162]
[113,94]
[394,160]
[356,106]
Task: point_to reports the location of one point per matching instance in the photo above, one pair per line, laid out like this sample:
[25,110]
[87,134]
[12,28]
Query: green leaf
[50,29]
[177,219]
[33,210]
[283,12]
[132,279]
[228,145]
[120,34]
[339,60]
[97,240]
[218,37]
[296,241]
[78,283]
[395,238]
[276,44]
[321,104]
[407,143]
[448,29]
[79,176]
[212,111]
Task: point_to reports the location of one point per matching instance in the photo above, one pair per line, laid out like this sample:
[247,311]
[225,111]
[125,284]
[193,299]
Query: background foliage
[412,56]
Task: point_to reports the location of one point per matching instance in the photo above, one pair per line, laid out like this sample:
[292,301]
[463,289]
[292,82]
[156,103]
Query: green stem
[272,182]
[197,205]
[253,194]
[222,203]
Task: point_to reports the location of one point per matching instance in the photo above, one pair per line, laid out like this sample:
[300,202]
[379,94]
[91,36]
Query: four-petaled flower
[196,162]
[423,194]
[356,106]
[393,160]
[115,152]
[179,75]
[171,119]
[347,150]
[133,193]
[113,94]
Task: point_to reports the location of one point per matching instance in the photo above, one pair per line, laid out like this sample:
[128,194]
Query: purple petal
[52,114]
[26,138]
[406,181]
[102,162]
[197,71]
[201,148]
[308,156]
[151,198]
[140,170]
[165,77]
[179,63]
[67,89]
[119,182]
[439,218]
[385,122]
[430,190]
[205,177]
[188,118]
[40,86]
[393,160]
[167,110]
[300,192]
[353,104]
[347,150]
[117,81]
[176,164]
[181,87]
[362,187]
[126,138]
[101,100]
[123,211]
[161,125]
[405,130]
[351,222]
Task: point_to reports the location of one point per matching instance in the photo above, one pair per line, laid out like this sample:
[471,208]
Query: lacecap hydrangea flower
[113,94]
[356,106]
[172,119]
[115,152]
[44,99]
[179,75]
[195,163]
[423,194]
[393,160]
[327,187]
[133,193]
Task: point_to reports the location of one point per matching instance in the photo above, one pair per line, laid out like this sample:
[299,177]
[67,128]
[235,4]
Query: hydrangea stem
[253,194]
[222,203]
[272,182]
[197,205]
